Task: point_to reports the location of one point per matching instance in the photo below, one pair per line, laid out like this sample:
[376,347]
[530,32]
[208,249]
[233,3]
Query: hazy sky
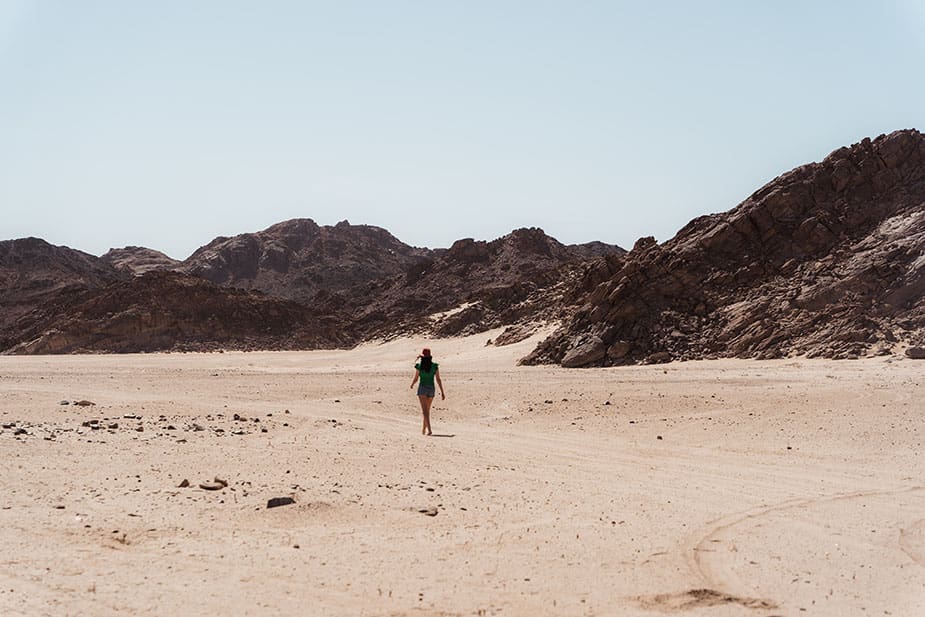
[165,124]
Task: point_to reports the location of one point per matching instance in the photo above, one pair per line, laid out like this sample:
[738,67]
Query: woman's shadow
[441,435]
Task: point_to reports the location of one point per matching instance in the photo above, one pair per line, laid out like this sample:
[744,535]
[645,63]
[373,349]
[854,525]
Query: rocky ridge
[826,260]
[170,311]
[295,285]
[474,286]
[303,261]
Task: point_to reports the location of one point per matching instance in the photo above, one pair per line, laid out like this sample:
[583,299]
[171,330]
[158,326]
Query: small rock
[19,431]
[84,403]
[916,353]
[211,486]
[428,511]
[658,437]
[280,501]
[183,484]
[64,402]
[220,481]
[585,353]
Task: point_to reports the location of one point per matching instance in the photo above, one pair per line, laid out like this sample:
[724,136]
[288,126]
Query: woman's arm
[415,380]
[439,383]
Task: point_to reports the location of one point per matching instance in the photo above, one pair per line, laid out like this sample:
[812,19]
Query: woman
[427,371]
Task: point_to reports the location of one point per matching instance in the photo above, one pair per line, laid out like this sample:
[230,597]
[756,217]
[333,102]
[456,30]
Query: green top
[427,379]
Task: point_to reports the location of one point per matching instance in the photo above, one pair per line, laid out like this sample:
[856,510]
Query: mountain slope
[825,260]
[475,285]
[34,273]
[161,311]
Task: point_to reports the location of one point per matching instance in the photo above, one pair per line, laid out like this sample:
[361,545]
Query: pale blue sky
[167,123]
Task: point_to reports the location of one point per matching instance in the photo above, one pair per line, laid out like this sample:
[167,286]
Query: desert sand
[789,487]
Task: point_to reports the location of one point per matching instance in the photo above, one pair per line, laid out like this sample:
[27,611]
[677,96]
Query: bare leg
[426,402]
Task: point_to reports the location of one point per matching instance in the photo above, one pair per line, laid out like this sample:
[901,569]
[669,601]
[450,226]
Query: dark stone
[916,353]
[280,501]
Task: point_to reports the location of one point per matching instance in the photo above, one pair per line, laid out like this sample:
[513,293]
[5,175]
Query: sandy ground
[712,488]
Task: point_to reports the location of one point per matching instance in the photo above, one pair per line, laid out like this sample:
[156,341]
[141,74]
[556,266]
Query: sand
[716,488]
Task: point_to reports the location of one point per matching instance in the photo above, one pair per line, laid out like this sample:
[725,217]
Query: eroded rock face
[162,311]
[299,260]
[476,285]
[34,274]
[826,260]
[138,260]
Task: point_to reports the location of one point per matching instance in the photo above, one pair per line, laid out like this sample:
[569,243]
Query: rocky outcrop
[35,274]
[162,311]
[476,285]
[302,261]
[826,260]
[138,260]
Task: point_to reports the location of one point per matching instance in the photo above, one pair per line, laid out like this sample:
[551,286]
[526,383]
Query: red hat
[425,352]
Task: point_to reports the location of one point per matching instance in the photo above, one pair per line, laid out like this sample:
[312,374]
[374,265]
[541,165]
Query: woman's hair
[426,362]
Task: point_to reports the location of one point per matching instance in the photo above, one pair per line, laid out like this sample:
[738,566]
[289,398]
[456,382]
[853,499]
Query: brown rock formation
[825,260]
[302,261]
[162,311]
[34,273]
[138,260]
[475,285]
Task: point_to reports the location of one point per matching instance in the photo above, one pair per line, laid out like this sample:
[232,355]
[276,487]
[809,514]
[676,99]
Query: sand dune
[706,488]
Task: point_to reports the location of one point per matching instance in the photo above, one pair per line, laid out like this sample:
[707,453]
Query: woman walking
[427,371]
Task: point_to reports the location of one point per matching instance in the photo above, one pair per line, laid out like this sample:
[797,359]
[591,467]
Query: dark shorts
[430,390]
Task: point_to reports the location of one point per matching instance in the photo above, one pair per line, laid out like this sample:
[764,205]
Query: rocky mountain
[390,288]
[138,260]
[826,260]
[34,273]
[476,285]
[295,285]
[300,260]
[161,311]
